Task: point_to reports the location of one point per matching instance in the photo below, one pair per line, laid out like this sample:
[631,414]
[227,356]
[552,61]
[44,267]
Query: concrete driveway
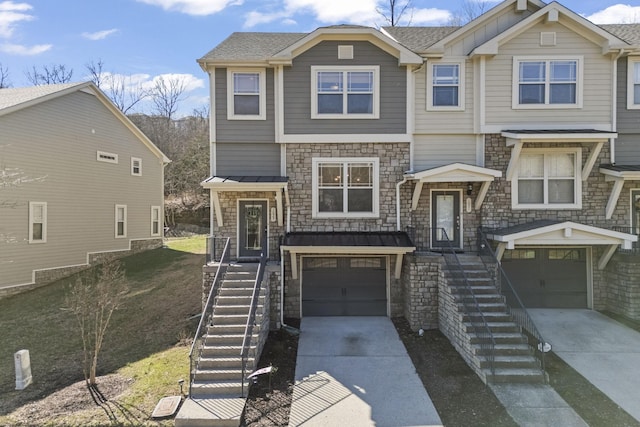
[355,371]
[605,352]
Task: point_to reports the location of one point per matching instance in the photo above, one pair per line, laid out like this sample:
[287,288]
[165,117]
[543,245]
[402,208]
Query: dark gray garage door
[548,277]
[340,286]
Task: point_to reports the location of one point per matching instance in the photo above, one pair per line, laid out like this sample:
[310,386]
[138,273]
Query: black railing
[255,297]
[215,248]
[516,308]
[476,320]
[207,312]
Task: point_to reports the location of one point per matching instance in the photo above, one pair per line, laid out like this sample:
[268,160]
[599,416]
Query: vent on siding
[103,156]
[345,52]
[547,39]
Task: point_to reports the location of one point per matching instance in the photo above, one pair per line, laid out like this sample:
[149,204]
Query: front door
[445,220]
[635,214]
[252,222]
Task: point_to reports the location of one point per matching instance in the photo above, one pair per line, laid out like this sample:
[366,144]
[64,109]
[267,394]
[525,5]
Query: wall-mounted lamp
[469,188]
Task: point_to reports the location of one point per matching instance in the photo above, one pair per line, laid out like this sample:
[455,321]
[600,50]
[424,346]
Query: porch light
[469,188]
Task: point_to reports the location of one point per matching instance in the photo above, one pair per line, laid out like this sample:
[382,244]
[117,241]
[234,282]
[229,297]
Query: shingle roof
[251,46]
[348,238]
[10,97]
[627,32]
[418,39]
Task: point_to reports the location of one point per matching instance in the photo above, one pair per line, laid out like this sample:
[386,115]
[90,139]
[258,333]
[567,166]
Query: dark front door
[445,221]
[252,222]
[635,214]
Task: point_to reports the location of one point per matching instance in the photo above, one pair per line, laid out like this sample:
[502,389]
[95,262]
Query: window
[155,220]
[445,86]
[349,93]
[547,83]
[136,166]
[345,187]
[103,156]
[633,77]
[37,222]
[548,179]
[246,99]
[121,221]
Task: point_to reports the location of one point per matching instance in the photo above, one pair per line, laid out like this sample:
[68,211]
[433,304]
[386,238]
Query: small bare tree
[4,77]
[395,10]
[93,299]
[167,94]
[469,11]
[121,89]
[53,74]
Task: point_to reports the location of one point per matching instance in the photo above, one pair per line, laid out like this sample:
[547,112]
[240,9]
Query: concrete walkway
[605,352]
[355,371]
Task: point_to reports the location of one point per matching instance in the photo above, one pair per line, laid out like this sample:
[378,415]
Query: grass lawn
[145,350]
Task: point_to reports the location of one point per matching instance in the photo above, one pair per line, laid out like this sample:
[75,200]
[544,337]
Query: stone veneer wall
[420,277]
[622,276]
[44,277]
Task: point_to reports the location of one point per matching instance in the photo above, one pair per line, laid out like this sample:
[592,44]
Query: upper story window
[445,86]
[136,166]
[246,94]
[345,187]
[37,222]
[548,179]
[345,93]
[633,78]
[547,83]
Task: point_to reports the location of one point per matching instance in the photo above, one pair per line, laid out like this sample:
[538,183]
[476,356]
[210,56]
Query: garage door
[548,277]
[342,286]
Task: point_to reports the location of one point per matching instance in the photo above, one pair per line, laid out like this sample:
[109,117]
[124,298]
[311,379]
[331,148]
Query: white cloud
[616,14]
[254,18]
[189,81]
[17,49]
[193,7]
[430,17]
[11,14]
[99,35]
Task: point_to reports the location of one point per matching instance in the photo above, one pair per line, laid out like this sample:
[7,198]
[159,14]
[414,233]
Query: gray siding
[243,130]
[248,159]
[628,149]
[628,120]
[297,91]
[439,150]
[56,142]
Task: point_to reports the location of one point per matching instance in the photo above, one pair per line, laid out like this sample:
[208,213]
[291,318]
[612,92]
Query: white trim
[618,178]
[124,227]
[238,213]
[460,63]
[345,138]
[315,69]
[133,166]
[278,99]
[345,161]
[159,221]
[212,105]
[460,243]
[262,94]
[547,59]
[103,156]
[577,190]
[411,112]
[631,62]
[499,128]
[32,206]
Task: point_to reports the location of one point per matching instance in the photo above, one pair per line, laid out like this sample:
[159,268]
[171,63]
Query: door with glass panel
[635,214]
[252,222]
[445,221]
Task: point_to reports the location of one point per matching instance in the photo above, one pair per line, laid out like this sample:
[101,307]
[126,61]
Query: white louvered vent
[547,39]
[345,52]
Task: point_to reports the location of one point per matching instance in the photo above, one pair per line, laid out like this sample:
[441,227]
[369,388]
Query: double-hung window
[445,86]
[121,221]
[246,98]
[345,93]
[155,220]
[136,166]
[633,78]
[345,187]
[37,222]
[548,179]
[547,83]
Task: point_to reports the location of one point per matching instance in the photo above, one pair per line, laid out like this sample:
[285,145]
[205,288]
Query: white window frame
[461,86]
[345,161]
[515,91]
[262,94]
[133,161]
[156,209]
[375,114]
[32,207]
[103,156]
[631,63]
[577,179]
[124,208]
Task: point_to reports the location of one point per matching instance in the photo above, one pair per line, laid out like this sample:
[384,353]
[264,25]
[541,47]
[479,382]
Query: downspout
[404,180]
[614,113]
[282,324]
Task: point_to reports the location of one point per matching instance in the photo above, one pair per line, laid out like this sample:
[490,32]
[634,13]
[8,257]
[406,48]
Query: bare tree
[53,74]
[166,95]
[4,77]
[96,72]
[469,11]
[123,91]
[92,300]
[395,10]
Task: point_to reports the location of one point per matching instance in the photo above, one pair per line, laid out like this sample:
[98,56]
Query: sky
[144,40]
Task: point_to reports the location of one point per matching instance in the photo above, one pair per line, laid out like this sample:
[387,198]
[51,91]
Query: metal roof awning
[356,243]
[618,174]
[560,233]
[277,184]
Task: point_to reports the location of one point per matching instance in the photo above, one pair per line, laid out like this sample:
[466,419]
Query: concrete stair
[216,392]
[513,359]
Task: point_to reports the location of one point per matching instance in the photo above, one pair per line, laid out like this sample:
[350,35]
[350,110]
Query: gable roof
[247,47]
[15,99]
[627,32]
[418,39]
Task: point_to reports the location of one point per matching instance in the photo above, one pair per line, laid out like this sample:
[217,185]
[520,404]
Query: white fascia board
[368,250]
[612,175]
[456,172]
[596,235]
[244,186]
[603,136]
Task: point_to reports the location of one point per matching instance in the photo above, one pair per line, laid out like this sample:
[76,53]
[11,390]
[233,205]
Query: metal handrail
[207,312]
[514,304]
[248,330]
[478,322]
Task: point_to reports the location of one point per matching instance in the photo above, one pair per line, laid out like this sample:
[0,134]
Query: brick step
[237,283]
[218,387]
[217,374]
[221,362]
[480,298]
[519,349]
[514,361]
[235,292]
[225,309]
[501,338]
[224,350]
[489,317]
[491,307]
[237,299]
[496,327]
[224,339]
[476,289]
[238,329]
[230,319]
[506,375]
